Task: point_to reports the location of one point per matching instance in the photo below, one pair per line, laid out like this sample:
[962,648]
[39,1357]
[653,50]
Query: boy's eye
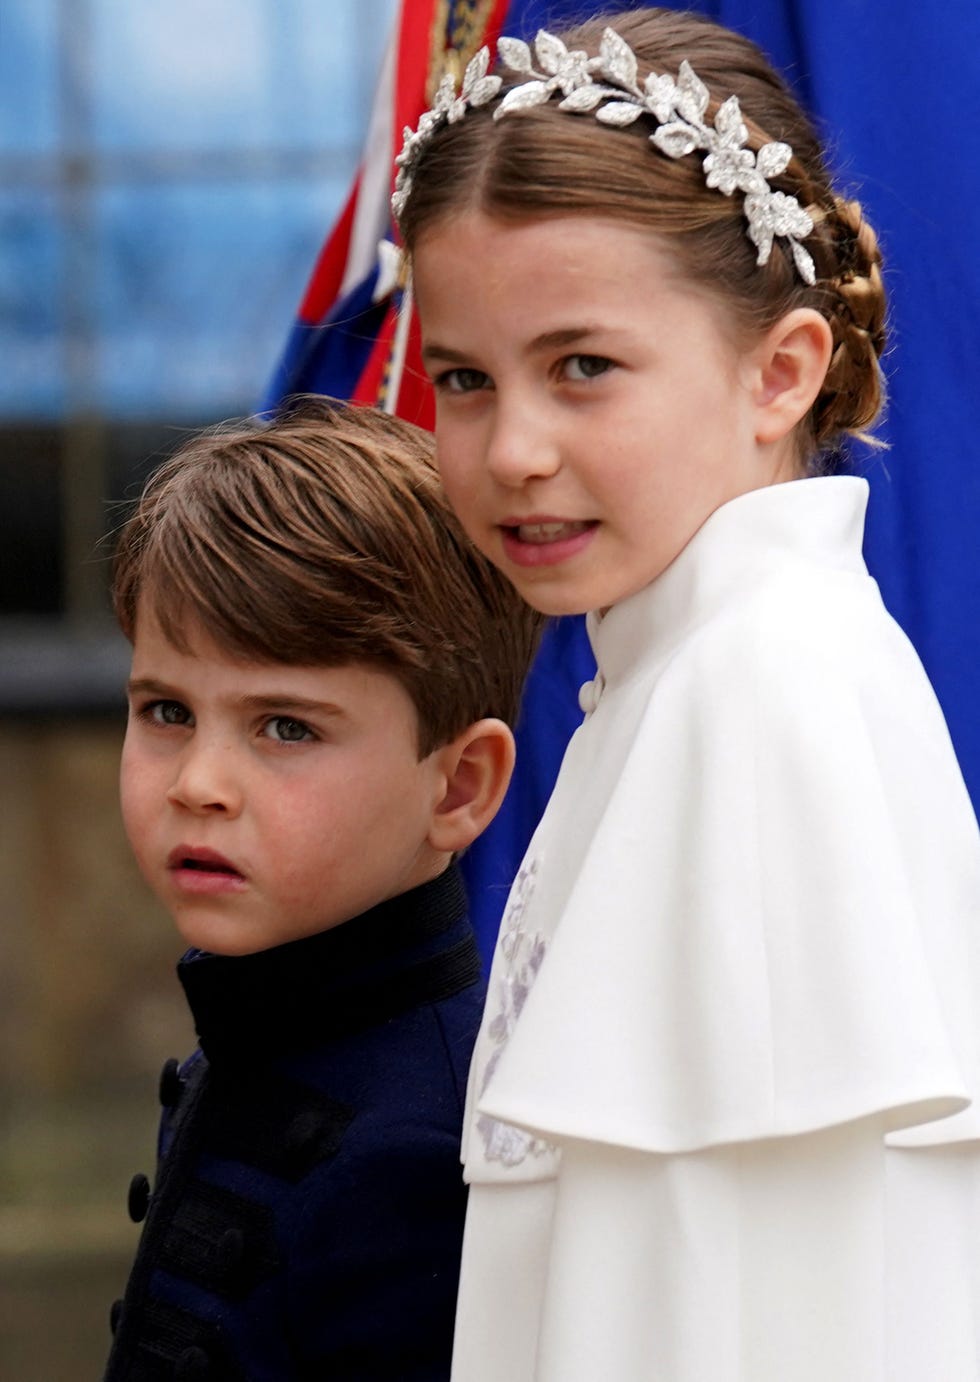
[580,367]
[286,730]
[167,713]
[462,380]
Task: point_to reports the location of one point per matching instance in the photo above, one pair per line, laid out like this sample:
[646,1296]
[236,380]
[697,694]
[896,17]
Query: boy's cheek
[139,801]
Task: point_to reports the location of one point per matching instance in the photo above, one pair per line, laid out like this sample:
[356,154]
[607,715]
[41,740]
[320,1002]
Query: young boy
[323,675]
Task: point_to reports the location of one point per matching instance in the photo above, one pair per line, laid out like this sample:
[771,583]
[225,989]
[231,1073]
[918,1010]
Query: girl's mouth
[547,542]
[548,532]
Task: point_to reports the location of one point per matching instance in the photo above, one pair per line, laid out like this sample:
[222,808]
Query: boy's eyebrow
[286,700]
[548,340]
[146,686]
[289,701]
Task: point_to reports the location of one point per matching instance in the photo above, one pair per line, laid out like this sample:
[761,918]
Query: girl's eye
[167,713]
[462,381]
[580,367]
[285,730]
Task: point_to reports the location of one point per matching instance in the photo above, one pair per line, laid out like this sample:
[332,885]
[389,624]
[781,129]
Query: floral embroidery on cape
[523,954]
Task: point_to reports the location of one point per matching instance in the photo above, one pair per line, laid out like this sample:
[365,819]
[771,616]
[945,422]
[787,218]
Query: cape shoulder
[772,922]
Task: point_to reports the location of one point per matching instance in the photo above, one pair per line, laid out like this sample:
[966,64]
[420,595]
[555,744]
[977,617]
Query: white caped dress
[720,1123]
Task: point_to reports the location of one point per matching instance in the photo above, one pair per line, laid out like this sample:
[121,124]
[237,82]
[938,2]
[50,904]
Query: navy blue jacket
[307,1214]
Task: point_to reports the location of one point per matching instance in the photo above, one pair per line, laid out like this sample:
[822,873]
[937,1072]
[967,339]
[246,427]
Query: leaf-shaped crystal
[514,54]
[772,159]
[619,113]
[725,168]
[523,97]
[804,263]
[729,123]
[585,98]
[617,61]
[787,216]
[432,119]
[575,72]
[758,213]
[484,90]
[692,94]
[477,67]
[551,52]
[676,139]
[762,237]
[445,95]
[660,93]
[750,180]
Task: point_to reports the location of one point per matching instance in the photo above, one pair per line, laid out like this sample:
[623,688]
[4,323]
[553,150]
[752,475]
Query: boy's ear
[790,365]
[477,766]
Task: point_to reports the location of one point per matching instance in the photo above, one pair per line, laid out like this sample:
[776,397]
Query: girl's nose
[521,446]
[207,780]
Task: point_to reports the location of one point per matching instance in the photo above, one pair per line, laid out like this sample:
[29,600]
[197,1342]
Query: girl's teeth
[548,532]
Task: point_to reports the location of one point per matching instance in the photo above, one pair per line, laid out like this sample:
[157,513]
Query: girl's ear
[476,768]
[790,365]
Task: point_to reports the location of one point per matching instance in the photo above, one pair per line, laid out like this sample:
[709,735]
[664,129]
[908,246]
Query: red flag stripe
[328,273]
[415,35]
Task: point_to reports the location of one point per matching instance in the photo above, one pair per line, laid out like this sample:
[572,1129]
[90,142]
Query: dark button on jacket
[138,1199]
[170,1084]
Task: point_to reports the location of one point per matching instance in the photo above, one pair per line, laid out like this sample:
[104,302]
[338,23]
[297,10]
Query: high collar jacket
[307,1211]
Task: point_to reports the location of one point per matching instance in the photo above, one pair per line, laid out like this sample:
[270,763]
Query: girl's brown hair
[546,162]
[320,539]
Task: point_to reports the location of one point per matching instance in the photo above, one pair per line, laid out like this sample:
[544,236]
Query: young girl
[719,1125]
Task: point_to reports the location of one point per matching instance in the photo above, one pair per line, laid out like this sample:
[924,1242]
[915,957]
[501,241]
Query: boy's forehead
[196,660]
[162,632]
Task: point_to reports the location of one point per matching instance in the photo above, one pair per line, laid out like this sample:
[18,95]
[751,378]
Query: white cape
[720,1124]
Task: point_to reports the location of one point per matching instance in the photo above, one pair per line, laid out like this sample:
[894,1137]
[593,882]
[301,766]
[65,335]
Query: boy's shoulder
[311,1184]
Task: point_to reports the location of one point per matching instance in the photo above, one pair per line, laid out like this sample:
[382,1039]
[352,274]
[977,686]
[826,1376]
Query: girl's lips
[548,530]
[546,541]
[203,871]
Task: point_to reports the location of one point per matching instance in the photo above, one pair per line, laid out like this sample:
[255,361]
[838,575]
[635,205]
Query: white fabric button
[589,694]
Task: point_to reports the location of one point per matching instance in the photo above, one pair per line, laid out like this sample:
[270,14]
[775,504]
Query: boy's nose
[207,781]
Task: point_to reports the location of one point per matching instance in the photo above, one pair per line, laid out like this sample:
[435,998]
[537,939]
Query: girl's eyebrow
[432,350]
[548,340]
[564,336]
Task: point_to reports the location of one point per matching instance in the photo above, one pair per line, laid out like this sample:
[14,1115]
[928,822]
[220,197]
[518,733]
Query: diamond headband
[606,86]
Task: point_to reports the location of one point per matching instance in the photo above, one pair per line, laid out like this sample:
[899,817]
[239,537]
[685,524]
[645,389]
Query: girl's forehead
[555,277]
[573,258]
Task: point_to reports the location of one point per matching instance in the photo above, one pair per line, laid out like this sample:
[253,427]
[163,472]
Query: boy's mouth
[196,868]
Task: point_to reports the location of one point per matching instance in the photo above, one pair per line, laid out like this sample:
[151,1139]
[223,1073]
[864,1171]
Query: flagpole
[399,350]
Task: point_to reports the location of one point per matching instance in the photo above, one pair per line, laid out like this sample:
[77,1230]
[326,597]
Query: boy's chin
[224,936]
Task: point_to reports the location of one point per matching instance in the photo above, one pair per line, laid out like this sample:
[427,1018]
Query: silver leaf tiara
[677,106]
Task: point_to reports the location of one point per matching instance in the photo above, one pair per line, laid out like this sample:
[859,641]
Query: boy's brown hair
[324,538]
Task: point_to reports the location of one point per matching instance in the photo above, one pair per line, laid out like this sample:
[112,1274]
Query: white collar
[817,521]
